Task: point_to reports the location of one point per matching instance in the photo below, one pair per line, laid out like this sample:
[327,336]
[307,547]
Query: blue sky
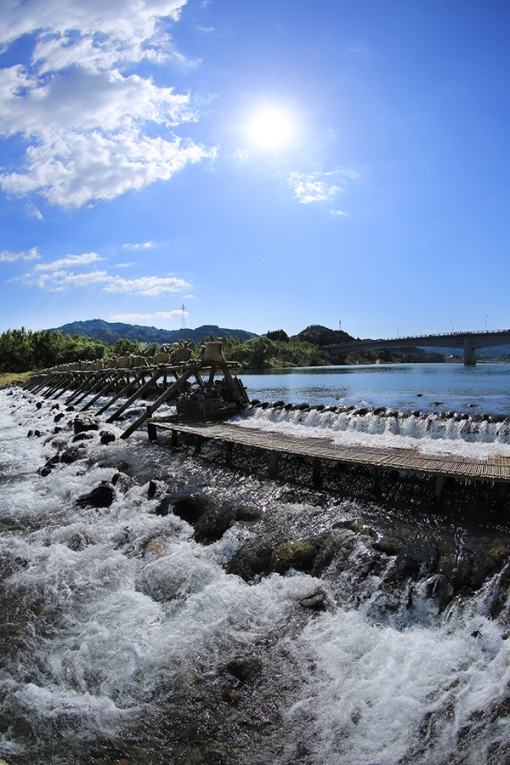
[265,164]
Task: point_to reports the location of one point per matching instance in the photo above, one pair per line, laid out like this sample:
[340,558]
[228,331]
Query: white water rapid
[120,632]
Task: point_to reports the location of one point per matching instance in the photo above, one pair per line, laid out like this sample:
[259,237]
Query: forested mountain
[109,332]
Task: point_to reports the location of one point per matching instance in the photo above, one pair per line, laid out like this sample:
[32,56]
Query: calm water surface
[483,388]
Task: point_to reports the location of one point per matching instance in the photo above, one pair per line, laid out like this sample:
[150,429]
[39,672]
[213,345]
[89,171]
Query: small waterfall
[441,432]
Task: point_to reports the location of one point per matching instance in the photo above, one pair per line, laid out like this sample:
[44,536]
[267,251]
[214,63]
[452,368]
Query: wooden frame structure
[494,469]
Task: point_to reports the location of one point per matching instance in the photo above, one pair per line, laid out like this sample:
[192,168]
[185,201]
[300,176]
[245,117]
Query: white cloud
[142,246]
[60,275]
[176,313]
[146,285]
[317,187]
[133,318]
[84,121]
[69,262]
[10,257]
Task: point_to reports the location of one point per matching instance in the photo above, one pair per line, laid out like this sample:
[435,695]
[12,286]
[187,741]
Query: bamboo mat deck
[388,458]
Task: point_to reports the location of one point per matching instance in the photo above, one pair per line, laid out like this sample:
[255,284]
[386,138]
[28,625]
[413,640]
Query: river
[130,636]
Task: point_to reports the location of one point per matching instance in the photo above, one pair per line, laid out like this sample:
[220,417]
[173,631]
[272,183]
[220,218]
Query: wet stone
[316,601]
[101,496]
[298,554]
[82,437]
[107,437]
[417,558]
[84,424]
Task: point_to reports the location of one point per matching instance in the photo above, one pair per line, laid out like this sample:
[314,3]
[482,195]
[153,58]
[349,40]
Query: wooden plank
[324,448]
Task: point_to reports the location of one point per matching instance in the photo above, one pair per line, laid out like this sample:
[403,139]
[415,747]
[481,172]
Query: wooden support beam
[62,385]
[273,464]
[135,395]
[122,391]
[151,428]
[198,444]
[49,383]
[316,471]
[376,481]
[161,400]
[86,385]
[174,441]
[229,448]
[439,488]
[109,385]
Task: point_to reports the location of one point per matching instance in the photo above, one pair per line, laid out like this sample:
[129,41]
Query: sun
[271,128]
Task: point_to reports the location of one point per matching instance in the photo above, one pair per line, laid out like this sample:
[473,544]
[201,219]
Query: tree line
[23,351]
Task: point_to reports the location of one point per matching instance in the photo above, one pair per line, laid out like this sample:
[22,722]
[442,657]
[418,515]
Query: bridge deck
[492,469]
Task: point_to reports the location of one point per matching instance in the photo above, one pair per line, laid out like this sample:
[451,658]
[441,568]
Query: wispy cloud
[146,285]
[65,274]
[319,187]
[10,257]
[141,246]
[85,122]
[131,318]
[69,261]
[134,318]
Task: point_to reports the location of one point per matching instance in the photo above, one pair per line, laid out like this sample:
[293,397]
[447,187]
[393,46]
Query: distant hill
[109,332]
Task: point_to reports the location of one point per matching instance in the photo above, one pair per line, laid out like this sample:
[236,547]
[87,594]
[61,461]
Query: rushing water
[119,627]
[483,388]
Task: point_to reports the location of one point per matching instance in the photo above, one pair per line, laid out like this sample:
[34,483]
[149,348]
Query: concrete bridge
[467,342]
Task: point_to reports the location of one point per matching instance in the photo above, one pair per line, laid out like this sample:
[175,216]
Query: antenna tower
[183,319]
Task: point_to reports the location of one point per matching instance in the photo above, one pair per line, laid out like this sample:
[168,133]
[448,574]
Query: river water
[126,639]
[482,388]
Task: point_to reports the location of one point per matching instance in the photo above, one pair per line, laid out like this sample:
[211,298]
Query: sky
[266,165]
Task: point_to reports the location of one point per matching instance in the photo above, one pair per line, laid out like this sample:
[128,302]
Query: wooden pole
[161,400]
[273,464]
[121,392]
[377,481]
[151,428]
[439,488]
[109,385]
[316,471]
[135,395]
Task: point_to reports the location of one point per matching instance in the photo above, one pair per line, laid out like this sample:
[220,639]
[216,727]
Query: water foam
[428,433]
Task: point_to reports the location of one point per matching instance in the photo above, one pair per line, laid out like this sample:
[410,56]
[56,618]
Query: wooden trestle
[131,384]
[495,469]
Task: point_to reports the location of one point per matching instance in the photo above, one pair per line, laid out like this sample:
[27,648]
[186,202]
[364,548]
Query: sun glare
[271,128]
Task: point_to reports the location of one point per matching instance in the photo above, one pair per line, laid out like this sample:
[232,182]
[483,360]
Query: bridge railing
[433,334]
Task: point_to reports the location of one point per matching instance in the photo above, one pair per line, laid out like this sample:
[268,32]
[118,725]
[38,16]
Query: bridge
[467,342]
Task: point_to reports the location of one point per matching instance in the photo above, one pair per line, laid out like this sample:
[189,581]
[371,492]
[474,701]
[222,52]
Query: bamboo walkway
[495,469]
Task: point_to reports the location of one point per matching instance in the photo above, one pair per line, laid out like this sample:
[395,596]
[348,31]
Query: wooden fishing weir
[496,469]
[133,379]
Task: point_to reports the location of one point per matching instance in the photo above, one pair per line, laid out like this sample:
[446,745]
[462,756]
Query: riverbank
[8,378]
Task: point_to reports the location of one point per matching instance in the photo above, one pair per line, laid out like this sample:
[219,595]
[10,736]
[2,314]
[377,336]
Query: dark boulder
[83,424]
[107,437]
[188,505]
[82,437]
[102,496]
[72,454]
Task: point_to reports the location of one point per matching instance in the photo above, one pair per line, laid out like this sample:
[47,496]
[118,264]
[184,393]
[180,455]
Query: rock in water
[101,496]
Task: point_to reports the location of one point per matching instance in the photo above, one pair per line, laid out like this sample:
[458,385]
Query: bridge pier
[469,353]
